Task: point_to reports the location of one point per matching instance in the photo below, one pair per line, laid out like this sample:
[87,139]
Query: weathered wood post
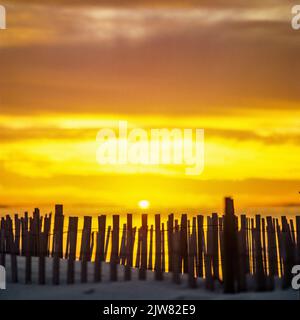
[272,253]
[192,251]
[107,242]
[170,226]
[42,258]
[123,246]
[230,248]
[158,270]
[150,261]
[259,268]
[163,253]
[138,251]
[144,244]
[73,227]
[17,234]
[129,248]
[183,242]
[57,242]
[209,281]
[28,258]
[176,256]
[85,247]
[215,245]
[200,246]
[114,248]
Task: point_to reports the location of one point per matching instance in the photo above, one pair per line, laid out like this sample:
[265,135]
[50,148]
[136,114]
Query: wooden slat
[57,250]
[230,248]
[260,274]
[73,227]
[150,260]
[163,253]
[123,246]
[209,283]
[157,268]
[144,249]
[200,246]
[215,245]
[85,253]
[114,248]
[176,268]
[183,242]
[170,227]
[107,242]
[129,248]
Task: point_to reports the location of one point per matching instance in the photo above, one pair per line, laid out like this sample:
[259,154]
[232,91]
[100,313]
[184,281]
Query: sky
[70,68]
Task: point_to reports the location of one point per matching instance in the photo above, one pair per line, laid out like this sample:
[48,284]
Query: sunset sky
[70,68]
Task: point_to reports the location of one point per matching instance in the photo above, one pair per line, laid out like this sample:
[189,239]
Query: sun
[144,204]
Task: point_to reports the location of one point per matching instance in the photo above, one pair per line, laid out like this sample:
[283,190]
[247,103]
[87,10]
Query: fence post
[200,246]
[114,248]
[272,252]
[58,228]
[163,257]
[243,253]
[183,242]
[42,255]
[129,247]
[260,275]
[158,271]
[264,245]
[192,251]
[138,250]
[209,283]
[107,242]
[12,250]
[17,234]
[150,263]
[85,253]
[73,226]
[28,258]
[123,246]
[176,256]
[58,237]
[215,245]
[230,247]
[170,226]
[144,243]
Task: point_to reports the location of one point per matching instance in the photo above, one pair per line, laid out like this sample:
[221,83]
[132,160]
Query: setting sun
[144,204]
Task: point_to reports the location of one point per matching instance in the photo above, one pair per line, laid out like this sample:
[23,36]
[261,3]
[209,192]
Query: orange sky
[69,70]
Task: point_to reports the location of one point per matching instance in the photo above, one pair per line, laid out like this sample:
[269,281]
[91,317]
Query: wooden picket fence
[225,249]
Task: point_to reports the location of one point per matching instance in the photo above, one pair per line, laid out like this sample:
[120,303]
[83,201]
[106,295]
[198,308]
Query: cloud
[47,24]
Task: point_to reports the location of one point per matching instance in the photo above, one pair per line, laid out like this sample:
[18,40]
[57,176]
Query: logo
[296,278]
[181,148]
[296,17]
[2,17]
[2,278]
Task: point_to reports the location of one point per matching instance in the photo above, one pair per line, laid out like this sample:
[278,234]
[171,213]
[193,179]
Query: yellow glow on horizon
[54,157]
